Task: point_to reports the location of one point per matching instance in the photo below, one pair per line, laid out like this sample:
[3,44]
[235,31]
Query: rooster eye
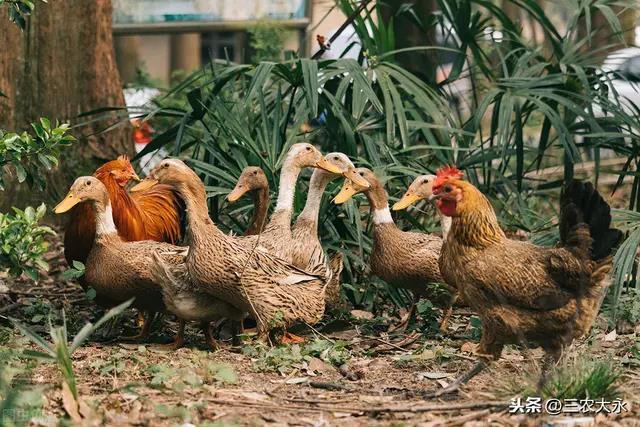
[448,189]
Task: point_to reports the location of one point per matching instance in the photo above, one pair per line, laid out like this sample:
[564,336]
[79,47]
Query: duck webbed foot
[177,342]
[147,318]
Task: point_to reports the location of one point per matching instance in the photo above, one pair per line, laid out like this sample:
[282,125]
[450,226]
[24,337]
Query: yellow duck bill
[353,175]
[407,200]
[236,193]
[328,166]
[145,184]
[67,203]
[345,194]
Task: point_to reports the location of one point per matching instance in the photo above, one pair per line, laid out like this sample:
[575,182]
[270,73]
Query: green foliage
[267,41]
[19,10]
[577,378]
[59,350]
[28,156]
[23,241]
[284,358]
[523,107]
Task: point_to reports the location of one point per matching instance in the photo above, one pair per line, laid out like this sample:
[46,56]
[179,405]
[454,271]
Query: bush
[23,241]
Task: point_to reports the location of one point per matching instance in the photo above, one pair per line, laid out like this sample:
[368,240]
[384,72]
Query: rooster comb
[445,173]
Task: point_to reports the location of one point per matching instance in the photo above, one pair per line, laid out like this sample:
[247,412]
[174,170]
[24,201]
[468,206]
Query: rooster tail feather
[585,221]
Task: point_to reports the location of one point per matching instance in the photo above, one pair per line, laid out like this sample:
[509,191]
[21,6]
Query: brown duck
[235,269]
[253,180]
[407,260]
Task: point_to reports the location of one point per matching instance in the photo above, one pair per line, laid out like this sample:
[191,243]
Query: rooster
[154,214]
[522,292]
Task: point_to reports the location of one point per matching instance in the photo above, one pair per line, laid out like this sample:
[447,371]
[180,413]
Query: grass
[575,377]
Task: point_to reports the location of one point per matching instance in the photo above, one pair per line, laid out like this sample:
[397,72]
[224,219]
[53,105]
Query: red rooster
[154,214]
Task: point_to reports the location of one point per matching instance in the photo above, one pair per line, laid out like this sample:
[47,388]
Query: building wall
[161,54]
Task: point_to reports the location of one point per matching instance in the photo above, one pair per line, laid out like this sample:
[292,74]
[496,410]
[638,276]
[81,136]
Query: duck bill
[407,200]
[67,203]
[145,184]
[328,166]
[352,175]
[236,193]
[345,193]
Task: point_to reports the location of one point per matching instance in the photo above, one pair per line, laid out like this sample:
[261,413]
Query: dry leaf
[469,347]
[611,336]
[433,375]
[70,404]
[361,314]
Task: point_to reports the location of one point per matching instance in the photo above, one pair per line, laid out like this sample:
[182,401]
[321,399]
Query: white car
[623,67]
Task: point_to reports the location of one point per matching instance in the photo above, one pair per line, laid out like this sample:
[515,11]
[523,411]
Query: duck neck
[379,202]
[286,193]
[260,207]
[104,218]
[199,224]
[319,181]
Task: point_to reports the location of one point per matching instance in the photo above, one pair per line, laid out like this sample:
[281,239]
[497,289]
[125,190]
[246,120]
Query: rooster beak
[135,176]
[354,176]
[325,164]
[347,192]
[145,184]
[237,192]
[67,203]
[407,200]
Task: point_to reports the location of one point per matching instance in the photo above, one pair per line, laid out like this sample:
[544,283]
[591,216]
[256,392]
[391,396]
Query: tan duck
[120,270]
[253,180]
[403,259]
[307,248]
[234,269]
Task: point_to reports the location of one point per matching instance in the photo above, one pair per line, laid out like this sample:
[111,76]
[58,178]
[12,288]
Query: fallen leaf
[318,365]
[433,375]
[297,380]
[611,336]
[70,404]
[442,383]
[252,395]
[361,314]
[469,347]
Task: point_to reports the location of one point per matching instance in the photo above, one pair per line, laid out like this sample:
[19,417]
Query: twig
[466,418]
[332,341]
[411,407]
[327,386]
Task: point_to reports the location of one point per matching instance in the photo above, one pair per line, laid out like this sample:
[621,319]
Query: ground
[350,371]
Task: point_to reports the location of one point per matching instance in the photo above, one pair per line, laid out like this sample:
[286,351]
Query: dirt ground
[349,372]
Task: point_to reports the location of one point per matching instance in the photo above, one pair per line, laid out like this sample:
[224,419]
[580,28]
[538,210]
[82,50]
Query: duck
[404,259]
[119,270]
[277,237]
[253,180]
[236,270]
[307,249]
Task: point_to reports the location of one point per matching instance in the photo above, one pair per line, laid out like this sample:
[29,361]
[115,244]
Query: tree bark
[62,65]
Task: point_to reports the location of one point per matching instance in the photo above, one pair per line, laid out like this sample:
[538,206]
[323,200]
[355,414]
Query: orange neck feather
[476,223]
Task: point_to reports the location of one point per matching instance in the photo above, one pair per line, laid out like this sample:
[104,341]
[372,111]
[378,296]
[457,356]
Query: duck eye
[361,173]
[308,148]
[166,165]
[88,183]
[255,172]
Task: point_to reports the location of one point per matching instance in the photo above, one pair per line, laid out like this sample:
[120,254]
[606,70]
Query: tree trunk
[62,65]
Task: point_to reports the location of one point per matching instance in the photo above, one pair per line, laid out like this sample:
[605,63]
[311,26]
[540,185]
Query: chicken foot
[446,313]
[461,380]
